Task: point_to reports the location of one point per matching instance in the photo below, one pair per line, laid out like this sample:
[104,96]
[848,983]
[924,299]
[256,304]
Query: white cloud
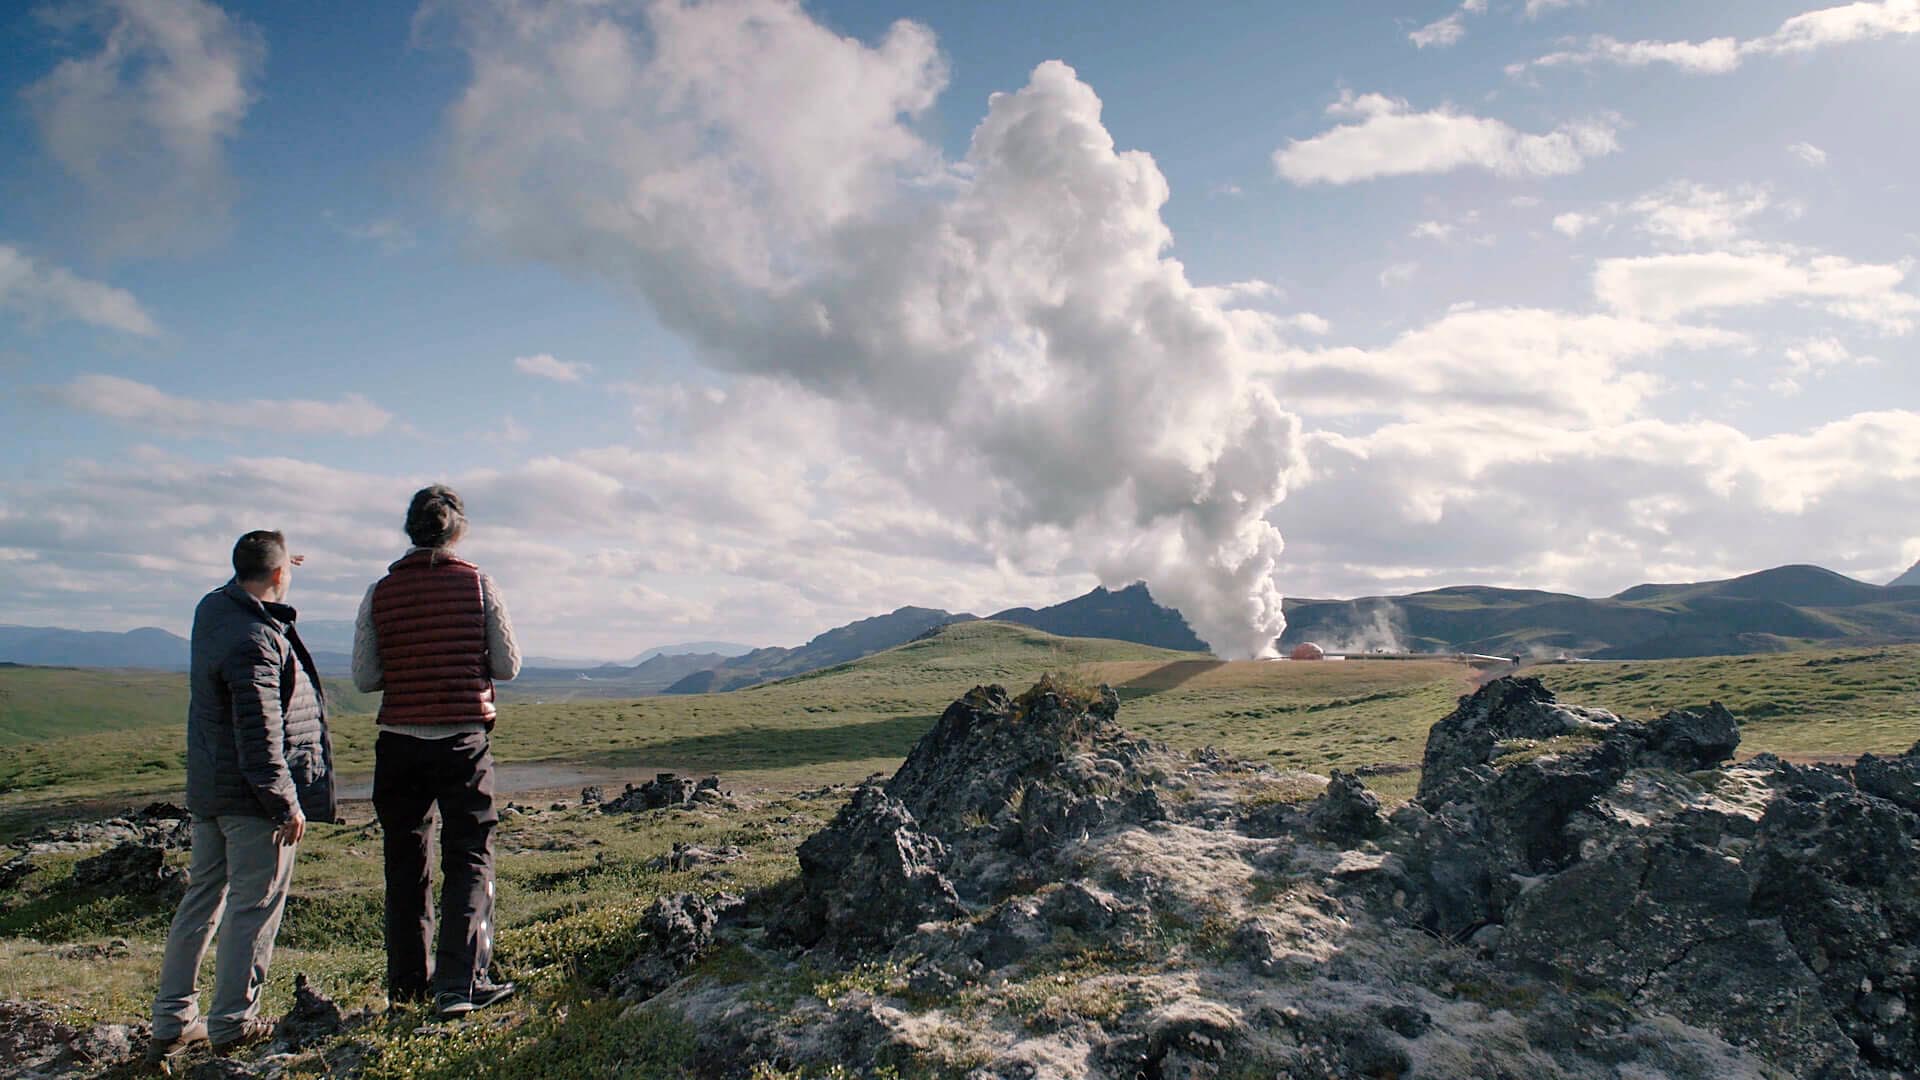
[142,123]
[743,513]
[1391,140]
[1592,509]
[1670,286]
[1704,57]
[1440,33]
[43,292]
[1573,223]
[147,408]
[1820,354]
[1695,215]
[1806,32]
[1238,293]
[1432,230]
[1537,8]
[544,366]
[998,310]
[1815,358]
[1398,273]
[1809,153]
[1527,363]
[1310,323]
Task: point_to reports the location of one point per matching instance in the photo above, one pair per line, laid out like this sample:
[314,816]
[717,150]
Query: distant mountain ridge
[723,649]
[836,646]
[1765,611]
[52,646]
[1128,614]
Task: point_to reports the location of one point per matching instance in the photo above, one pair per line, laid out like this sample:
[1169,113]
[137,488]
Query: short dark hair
[436,517]
[257,554]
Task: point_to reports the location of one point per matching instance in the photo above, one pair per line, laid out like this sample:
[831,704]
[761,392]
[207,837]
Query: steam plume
[759,181]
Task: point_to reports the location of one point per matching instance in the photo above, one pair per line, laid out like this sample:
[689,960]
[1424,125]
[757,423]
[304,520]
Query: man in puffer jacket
[259,767]
[434,635]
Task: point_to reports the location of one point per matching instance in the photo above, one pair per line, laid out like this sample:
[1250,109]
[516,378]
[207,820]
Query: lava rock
[680,930]
[36,1042]
[869,877]
[1687,740]
[1346,813]
[592,795]
[131,869]
[1896,780]
[313,1019]
[664,790]
[685,856]
[16,870]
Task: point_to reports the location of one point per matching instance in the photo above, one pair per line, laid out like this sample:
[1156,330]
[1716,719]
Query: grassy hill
[71,734]
[1845,701]
[573,883]
[83,730]
[1770,611]
[42,703]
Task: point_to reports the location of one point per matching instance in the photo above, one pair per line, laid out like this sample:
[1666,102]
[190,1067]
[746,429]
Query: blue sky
[738,320]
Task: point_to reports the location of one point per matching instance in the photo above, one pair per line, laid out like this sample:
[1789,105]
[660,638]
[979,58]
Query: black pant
[409,776]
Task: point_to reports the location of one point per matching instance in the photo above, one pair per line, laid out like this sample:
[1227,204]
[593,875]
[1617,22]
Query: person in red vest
[434,635]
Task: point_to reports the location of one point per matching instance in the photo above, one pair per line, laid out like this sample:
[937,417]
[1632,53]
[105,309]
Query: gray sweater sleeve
[368,675]
[503,653]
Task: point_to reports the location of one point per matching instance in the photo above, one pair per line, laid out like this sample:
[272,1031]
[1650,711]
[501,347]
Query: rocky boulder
[869,878]
[313,1019]
[1773,904]
[679,931]
[36,1042]
[665,790]
[1570,895]
[132,869]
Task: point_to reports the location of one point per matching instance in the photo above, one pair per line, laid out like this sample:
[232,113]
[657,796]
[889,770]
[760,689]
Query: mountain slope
[726,650]
[604,681]
[1910,579]
[1128,614]
[836,646]
[1761,612]
[147,647]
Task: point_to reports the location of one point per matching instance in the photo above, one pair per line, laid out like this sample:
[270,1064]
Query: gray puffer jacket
[257,741]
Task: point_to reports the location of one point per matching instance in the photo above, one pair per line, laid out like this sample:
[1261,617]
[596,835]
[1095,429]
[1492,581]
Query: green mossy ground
[574,882]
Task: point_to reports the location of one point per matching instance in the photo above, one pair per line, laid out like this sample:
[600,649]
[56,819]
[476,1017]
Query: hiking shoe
[454,1003]
[164,1052]
[253,1031]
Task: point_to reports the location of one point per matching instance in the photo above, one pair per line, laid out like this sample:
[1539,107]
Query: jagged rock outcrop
[35,1041]
[665,790]
[680,930]
[1776,905]
[131,869]
[1037,894]
[313,1019]
[160,824]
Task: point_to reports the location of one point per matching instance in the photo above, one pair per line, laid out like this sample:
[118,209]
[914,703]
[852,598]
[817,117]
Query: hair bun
[436,517]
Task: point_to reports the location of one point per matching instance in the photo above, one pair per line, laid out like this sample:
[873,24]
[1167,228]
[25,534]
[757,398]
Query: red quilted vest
[431,623]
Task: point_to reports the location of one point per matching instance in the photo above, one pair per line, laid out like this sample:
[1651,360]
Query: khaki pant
[238,886]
